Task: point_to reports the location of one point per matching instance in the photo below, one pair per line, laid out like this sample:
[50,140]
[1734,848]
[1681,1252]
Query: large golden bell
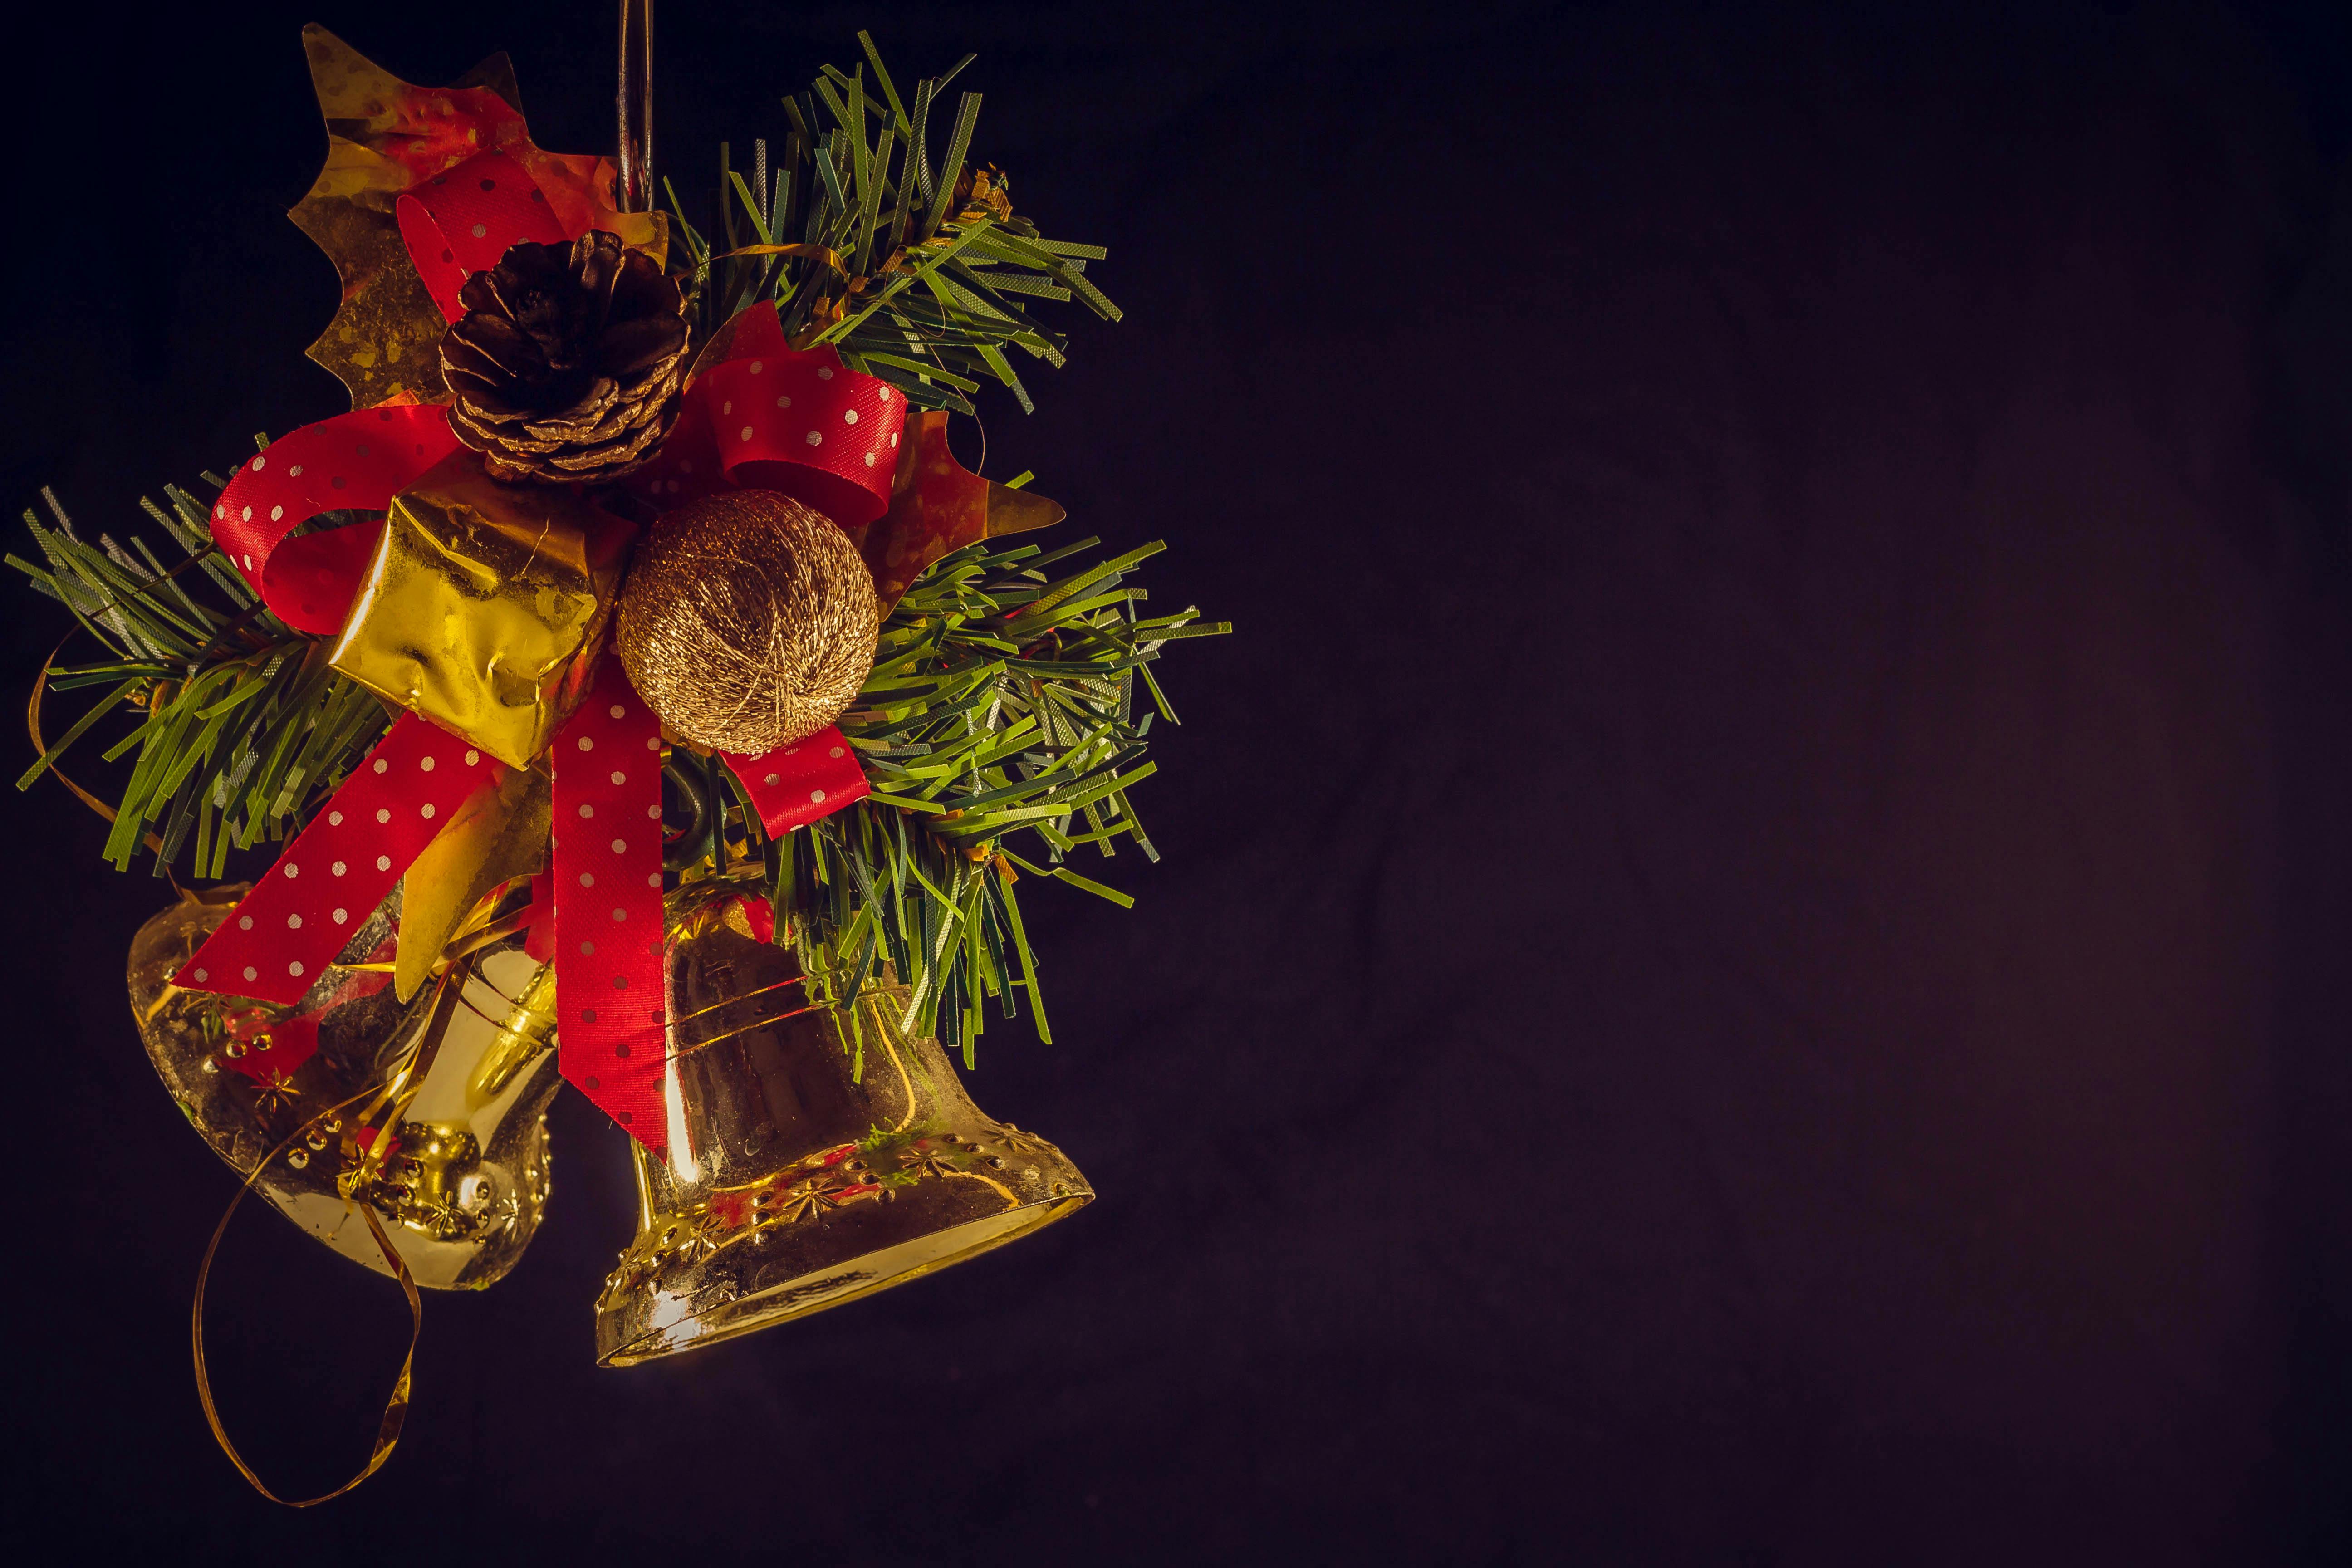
[792,1182]
[463,1073]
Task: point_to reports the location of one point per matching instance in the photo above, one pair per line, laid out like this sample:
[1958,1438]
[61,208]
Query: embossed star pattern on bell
[464,1071]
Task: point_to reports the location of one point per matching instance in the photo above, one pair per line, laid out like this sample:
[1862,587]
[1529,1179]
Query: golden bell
[463,1180]
[791,1181]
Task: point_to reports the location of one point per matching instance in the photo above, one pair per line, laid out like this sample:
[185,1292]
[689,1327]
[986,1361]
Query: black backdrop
[1750,961]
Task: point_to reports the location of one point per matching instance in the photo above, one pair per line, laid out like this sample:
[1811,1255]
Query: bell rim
[742,1318]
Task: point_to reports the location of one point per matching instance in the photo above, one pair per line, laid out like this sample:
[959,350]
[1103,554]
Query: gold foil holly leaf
[384,136]
[938,505]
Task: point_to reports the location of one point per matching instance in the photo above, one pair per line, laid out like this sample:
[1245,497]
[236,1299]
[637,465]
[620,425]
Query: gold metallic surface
[500,833]
[464,1073]
[747,621]
[485,607]
[1018,512]
[384,340]
[790,1185]
[938,505]
[386,135]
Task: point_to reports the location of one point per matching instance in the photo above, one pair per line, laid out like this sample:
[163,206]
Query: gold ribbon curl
[41,747]
[829,308]
[395,1408]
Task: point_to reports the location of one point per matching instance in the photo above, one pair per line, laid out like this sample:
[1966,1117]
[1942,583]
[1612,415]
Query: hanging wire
[636,105]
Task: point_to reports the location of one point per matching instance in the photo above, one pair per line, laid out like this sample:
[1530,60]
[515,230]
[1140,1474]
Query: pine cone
[568,363]
[982,192]
[978,193]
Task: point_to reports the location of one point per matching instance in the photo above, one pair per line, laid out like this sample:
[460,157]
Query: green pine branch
[1004,713]
[923,281]
[1003,725]
[240,724]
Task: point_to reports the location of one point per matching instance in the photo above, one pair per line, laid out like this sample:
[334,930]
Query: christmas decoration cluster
[632,691]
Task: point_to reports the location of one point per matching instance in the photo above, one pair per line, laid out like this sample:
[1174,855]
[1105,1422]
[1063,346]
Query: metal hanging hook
[637,106]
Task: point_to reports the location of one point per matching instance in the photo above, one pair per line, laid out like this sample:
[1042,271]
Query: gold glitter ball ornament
[748,620]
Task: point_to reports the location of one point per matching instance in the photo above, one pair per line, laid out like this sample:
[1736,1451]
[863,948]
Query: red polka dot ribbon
[288,931]
[763,416]
[794,784]
[461,222]
[455,224]
[277,1048]
[607,872]
[361,460]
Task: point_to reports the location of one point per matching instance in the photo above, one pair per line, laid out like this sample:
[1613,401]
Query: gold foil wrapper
[497,834]
[485,607]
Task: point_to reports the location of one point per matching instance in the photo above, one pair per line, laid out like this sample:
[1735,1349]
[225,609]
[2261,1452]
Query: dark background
[1750,964]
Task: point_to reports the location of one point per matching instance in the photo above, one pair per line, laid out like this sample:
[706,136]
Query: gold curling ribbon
[395,1408]
[824,253]
[41,747]
[830,308]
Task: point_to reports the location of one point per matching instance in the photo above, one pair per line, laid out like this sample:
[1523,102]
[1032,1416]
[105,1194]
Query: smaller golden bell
[792,1182]
[463,1178]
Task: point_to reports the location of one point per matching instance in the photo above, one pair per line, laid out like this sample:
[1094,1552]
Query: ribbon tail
[802,781]
[287,933]
[611,1035]
[358,460]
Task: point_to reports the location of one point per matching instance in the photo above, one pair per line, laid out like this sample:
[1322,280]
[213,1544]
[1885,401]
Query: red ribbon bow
[758,413]
[762,415]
